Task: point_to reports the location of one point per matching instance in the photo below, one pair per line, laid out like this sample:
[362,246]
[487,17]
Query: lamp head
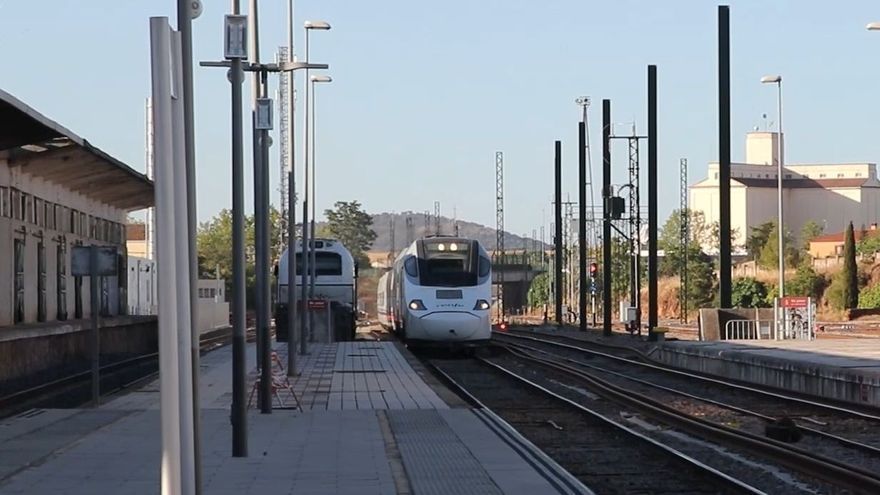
[317,25]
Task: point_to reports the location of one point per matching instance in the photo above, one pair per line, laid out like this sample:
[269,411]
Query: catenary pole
[606,218]
[652,201]
[239,301]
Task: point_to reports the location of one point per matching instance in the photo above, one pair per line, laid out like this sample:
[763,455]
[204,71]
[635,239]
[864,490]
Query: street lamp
[308,254]
[873,26]
[314,79]
[777,79]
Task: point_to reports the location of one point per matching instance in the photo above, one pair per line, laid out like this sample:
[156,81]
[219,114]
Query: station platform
[372,422]
[844,369]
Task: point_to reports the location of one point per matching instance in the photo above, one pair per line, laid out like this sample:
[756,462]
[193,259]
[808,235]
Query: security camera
[195,9]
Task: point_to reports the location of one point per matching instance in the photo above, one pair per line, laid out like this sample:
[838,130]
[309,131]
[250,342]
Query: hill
[486,235]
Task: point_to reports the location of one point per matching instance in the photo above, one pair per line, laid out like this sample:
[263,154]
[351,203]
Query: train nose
[455,326]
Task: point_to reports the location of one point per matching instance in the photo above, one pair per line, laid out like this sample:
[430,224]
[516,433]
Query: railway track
[669,408]
[627,358]
[831,430]
[601,452]
[118,376]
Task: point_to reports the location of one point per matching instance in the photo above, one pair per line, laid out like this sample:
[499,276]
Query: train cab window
[411,265]
[485,267]
[447,263]
[326,264]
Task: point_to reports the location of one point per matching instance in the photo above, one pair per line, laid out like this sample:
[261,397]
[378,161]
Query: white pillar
[181,251]
[169,373]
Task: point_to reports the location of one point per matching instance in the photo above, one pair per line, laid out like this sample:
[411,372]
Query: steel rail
[723,478]
[842,440]
[653,365]
[799,460]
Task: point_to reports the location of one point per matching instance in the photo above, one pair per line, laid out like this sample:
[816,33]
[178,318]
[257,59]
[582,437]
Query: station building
[831,194]
[57,191]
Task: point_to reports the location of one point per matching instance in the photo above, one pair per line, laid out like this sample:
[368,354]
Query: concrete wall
[52,233]
[34,354]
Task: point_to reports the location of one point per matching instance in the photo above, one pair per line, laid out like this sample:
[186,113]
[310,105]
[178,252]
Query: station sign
[317,304]
[795,302]
[105,261]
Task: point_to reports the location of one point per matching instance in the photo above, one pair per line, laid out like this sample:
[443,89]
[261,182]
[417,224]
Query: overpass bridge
[517,281]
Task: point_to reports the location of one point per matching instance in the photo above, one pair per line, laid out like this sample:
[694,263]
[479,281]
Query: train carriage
[439,292]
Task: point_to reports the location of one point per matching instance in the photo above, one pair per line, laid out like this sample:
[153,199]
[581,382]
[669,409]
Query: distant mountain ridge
[471,230]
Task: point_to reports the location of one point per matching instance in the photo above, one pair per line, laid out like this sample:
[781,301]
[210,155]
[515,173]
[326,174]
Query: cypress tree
[850,271]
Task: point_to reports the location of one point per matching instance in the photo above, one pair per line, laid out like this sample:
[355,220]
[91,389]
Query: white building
[832,195]
[58,191]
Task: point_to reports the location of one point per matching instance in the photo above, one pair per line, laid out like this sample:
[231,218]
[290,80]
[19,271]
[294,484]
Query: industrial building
[831,195]
[57,191]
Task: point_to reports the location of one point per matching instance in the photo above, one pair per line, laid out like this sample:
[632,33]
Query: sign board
[794,318]
[80,261]
[317,304]
[795,302]
[235,37]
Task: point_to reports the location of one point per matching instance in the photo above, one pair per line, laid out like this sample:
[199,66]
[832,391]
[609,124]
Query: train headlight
[417,305]
[453,247]
[482,304]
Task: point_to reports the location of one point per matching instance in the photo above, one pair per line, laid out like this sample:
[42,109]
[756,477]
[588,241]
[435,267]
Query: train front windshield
[449,263]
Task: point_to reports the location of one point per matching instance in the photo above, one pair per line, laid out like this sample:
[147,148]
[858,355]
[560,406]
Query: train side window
[485,266]
[411,265]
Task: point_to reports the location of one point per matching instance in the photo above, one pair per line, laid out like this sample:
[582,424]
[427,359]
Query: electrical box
[627,313]
[615,206]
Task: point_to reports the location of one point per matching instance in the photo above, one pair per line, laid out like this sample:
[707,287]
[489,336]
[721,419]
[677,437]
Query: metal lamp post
[312,262]
[308,233]
[780,229]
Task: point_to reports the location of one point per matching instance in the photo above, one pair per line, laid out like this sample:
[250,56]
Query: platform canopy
[44,149]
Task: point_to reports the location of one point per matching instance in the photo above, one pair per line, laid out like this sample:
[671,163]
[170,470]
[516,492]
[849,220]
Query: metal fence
[748,329]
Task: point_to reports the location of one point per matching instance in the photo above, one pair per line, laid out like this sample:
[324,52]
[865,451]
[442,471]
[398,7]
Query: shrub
[748,293]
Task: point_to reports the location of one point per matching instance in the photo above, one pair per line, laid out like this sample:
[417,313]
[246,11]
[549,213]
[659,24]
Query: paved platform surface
[390,436]
[842,369]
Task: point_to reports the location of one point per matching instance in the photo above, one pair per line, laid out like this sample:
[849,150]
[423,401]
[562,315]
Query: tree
[214,241]
[348,223]
[538,291]
[702,285]
[850,273]
[749,293]
[758,238]
[769,257]
[870,297]
[868,244]
[810,231]
[806,282]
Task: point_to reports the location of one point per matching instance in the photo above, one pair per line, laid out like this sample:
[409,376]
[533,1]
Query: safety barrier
[748,329]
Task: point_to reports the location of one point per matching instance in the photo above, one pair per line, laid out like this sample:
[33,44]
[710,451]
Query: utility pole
[684,238]
[558,262]
[582,225]
[410,230]
[725,286]
[288,119]
[652,202]
[499,229]
[436,217]
[606,217]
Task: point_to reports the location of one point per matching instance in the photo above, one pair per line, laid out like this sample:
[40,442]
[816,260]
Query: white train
[439,291]
[334,281]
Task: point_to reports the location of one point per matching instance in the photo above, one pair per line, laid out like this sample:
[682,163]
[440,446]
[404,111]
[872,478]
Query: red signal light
[594,268]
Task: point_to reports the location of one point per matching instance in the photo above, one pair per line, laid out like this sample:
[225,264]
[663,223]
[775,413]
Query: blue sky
[424,93]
